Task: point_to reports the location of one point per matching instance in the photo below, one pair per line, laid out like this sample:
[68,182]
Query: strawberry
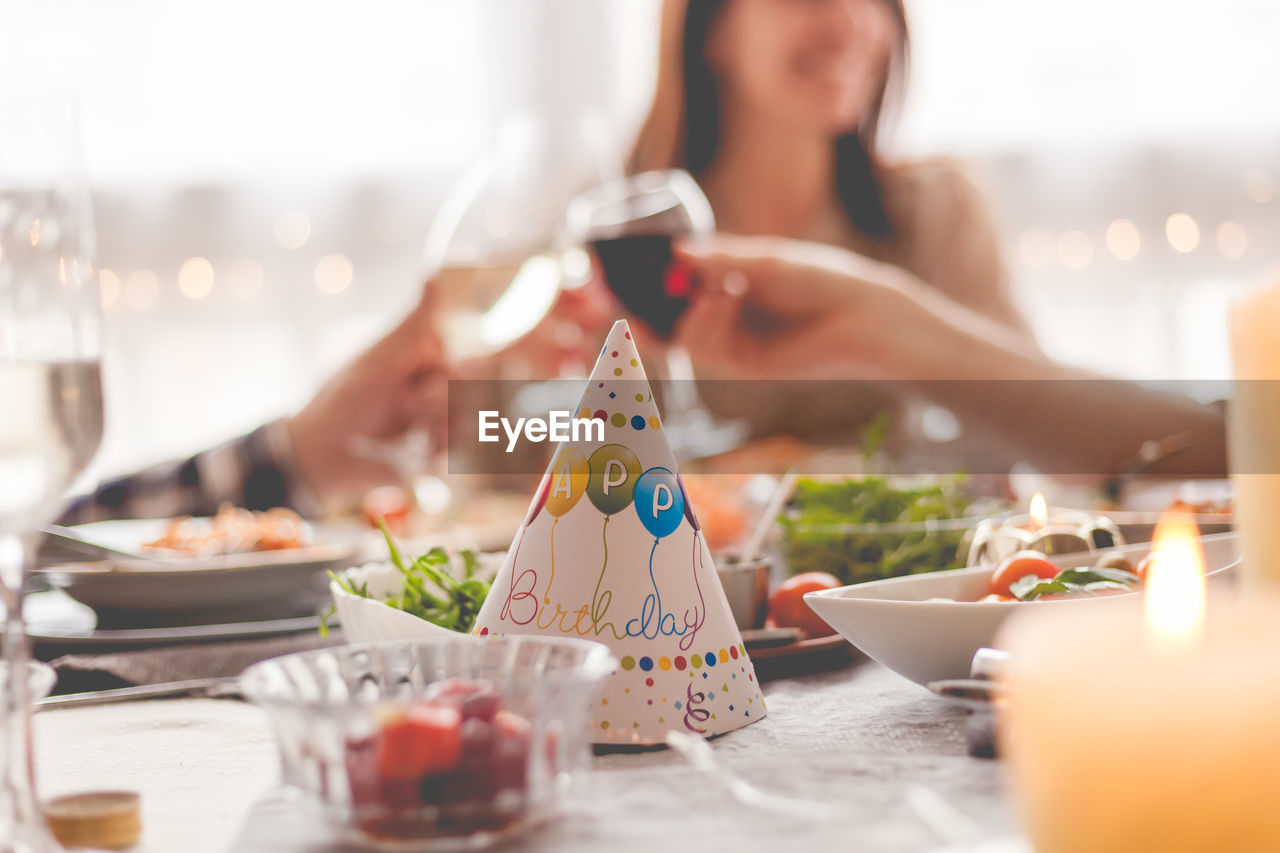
[426,740]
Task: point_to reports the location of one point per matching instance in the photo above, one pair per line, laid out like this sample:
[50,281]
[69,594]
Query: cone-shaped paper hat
[611,551]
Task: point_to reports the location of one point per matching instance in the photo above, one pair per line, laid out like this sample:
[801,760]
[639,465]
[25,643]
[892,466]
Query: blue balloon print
[659,501]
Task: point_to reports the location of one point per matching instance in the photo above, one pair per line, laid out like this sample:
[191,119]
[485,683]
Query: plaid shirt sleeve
[256,471]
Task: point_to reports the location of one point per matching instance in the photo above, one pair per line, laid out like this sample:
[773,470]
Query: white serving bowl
[369,620]
[895,622]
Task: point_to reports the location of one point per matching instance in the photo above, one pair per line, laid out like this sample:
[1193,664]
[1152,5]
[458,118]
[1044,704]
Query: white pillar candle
[1125,733]
[1116,746]
[1254,433]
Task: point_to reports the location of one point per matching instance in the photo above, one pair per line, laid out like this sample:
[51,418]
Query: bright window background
[266,172]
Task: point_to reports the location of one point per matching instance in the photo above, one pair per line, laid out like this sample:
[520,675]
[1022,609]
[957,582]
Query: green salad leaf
[1031,587]
[1098,574]
[431,589]
[817,537]
[1081,580]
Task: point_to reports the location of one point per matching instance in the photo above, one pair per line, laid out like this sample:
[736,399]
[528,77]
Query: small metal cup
[746,585]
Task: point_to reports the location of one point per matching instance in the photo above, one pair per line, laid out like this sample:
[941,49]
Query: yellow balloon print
[569,475]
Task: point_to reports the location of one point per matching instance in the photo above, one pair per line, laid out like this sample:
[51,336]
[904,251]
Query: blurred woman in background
[775,107]
[849,266]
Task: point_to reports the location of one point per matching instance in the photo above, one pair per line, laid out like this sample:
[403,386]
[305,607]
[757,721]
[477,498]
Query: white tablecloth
[860,738]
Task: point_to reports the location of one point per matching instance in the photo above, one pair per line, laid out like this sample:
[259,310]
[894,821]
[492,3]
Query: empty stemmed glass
[50,394]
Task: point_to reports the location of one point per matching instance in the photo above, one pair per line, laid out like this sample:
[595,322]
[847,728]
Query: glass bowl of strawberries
[449,743]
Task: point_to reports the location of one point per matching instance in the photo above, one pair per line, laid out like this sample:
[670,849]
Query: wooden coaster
[106,819]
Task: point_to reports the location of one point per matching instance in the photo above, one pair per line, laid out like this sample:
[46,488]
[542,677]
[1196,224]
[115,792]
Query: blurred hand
[775,308]
[567,341]
[558,345]
[396,385]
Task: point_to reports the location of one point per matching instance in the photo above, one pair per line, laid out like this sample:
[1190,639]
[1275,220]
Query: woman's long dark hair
[695,138]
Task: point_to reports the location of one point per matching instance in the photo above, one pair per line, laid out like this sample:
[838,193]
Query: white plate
[234,587]
[894,622]
[58,624]
[89,639]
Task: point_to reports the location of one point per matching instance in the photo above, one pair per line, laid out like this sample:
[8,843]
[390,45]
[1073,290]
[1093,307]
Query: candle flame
[1175,599]
[1039,512]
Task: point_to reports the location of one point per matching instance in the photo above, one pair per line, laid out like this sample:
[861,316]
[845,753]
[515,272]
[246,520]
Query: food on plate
[722,509]
[453,762]
[1028,576]
[437,588]
[387,503]
[1209,507]
[870,528]
[233,531]
[1017,566]
[787,607]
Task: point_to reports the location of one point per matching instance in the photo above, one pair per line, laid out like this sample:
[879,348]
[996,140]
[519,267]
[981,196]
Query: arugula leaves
[1082,580]
[1098,574]
[431,591]
[818,538]
[1031,587]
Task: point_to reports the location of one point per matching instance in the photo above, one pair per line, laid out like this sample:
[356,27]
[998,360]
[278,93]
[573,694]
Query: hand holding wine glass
[628,225]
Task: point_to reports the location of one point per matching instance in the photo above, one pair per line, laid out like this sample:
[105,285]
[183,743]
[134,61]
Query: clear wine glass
[50,393]
[628,224]
[495,266]
[491,250]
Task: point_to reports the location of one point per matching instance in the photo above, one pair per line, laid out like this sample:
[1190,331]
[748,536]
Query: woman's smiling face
[812,63]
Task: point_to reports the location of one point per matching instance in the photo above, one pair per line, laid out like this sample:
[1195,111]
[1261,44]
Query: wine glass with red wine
[628,224]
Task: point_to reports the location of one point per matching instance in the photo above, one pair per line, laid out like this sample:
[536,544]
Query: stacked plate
[132,599]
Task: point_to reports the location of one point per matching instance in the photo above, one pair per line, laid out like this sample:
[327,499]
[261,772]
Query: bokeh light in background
[195,278]
[333,274]
[1075,249]
[1183,232]
[1123,239]
[305,171]
[1232,240]
[292,230]
[1257,184]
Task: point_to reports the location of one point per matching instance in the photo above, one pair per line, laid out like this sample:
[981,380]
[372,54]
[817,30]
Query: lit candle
[1063,533]
[1147,727]
[1038,510]
[1056,538]
[1253,419]
[1174,607]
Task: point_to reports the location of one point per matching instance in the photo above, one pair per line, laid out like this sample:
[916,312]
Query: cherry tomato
[387,503]
[1020,565]
[426,739]
[787,607]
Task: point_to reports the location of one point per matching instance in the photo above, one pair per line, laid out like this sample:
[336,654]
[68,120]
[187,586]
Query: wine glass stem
[20,817]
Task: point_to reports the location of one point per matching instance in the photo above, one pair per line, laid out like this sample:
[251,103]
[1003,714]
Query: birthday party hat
[611,551]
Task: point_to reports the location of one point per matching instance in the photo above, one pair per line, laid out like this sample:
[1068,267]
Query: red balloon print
[544,488]
[688,506]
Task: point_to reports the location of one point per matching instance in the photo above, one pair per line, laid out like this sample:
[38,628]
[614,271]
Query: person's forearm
[255,471]
[1060,419]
